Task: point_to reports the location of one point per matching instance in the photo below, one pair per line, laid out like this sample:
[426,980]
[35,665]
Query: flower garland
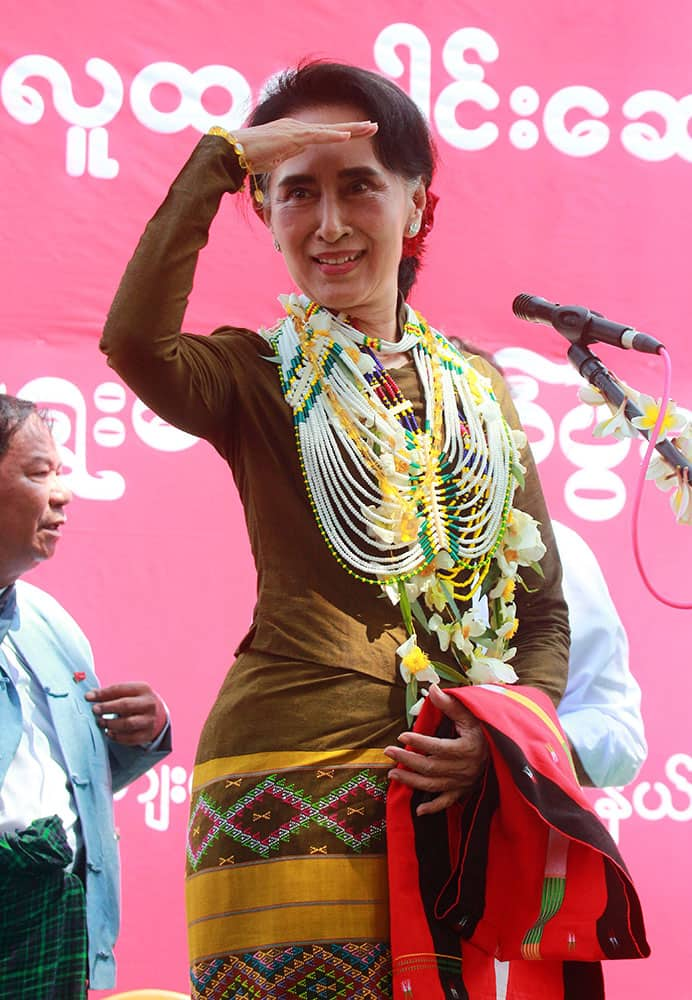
[424,512]
[676,428]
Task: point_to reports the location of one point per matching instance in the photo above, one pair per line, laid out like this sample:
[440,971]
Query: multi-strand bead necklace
[389,495]
[393,498]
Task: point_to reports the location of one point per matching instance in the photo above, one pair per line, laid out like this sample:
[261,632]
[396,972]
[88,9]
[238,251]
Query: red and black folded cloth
[519,892]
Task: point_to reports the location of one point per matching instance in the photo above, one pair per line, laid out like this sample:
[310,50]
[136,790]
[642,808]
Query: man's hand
[444,768]
[131,714]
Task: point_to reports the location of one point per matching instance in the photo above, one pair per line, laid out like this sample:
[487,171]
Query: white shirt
[36,783]
[601,708]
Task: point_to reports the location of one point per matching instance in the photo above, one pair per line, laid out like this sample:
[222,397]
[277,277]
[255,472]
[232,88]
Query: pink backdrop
[565,166]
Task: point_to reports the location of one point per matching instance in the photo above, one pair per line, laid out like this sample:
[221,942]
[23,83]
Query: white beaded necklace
[390,497]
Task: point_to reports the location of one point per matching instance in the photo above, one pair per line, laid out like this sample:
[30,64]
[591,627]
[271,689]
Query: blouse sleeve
[185,378]
[543,637]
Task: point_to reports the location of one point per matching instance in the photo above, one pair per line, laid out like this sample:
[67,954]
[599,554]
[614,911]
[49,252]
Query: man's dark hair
[402,143]
[13,413]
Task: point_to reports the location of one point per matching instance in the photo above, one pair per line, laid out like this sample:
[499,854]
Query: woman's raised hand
[266,146]
[446,769]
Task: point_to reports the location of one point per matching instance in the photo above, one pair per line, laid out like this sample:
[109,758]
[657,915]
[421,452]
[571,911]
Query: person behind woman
[377,468]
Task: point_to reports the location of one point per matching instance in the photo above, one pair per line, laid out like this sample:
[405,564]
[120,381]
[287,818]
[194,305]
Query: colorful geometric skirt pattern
[287,877]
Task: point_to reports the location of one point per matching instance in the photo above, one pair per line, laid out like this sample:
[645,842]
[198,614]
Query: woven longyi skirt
[286,864]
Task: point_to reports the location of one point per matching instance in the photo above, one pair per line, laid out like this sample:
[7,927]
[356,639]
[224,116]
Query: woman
[370,456]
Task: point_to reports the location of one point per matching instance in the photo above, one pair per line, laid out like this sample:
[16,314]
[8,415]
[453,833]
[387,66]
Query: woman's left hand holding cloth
[445,769]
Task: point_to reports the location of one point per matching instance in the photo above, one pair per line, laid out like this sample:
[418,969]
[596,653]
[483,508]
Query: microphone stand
[594,371]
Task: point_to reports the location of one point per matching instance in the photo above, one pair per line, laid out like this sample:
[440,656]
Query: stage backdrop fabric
[565,163]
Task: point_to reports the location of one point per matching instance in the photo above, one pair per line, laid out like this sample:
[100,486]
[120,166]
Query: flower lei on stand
[426,513]
[676,427]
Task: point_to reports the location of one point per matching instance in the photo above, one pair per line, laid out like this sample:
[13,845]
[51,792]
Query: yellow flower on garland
[509,629]
[415,663]
[676,427]
[673,422]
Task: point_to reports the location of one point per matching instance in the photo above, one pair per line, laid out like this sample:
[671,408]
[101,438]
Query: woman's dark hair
[403,143]
[13,413]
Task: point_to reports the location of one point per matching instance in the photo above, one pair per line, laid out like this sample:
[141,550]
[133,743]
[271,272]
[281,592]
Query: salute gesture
[266,146]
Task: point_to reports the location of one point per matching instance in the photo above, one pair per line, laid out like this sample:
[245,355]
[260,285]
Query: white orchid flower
[442,630]
[666,478]
[420,583]
[519,439]
[662,473]
[590,395]
[391,591]
[676,426]
[506,560]
[508,629]
[504,588]
[443,560]
[467,629]
[522,544]
[434,596]
[460,633]
[616,424]
[490,670]
[416,707]
[684,443]
[416,586]
[681,503]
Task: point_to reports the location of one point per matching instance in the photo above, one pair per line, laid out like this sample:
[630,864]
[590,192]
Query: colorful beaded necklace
[395,500]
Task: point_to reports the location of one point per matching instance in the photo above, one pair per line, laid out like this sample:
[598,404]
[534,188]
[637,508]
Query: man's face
[33,498]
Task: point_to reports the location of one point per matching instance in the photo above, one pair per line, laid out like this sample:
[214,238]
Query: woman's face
[339,218]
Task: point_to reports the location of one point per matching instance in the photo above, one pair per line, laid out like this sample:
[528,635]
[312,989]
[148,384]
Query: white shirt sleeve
[36,783]
[601,708]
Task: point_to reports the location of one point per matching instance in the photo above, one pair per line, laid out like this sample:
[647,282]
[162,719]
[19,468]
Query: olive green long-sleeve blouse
[222,388]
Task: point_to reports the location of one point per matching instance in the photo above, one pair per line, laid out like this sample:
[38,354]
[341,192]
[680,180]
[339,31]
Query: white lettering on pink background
[166,784]
[653,802]
[191,87]
[87,138]
[77,427]
[594,491]
[401,51]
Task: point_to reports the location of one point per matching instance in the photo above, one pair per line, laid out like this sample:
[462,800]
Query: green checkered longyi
[43,939]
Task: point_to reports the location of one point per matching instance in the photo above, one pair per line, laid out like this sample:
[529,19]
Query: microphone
[580,325]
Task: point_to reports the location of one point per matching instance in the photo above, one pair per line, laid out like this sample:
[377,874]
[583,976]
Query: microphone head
[521,307]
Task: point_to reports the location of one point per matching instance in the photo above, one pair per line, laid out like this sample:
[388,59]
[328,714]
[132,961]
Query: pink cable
[640,485]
